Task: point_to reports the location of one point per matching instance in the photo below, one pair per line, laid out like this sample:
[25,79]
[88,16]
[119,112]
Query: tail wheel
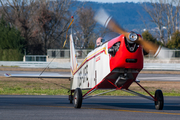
[160,100]
[71,99]
[77,98]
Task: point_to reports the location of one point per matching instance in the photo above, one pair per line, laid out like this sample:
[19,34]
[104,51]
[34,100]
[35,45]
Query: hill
[128,14]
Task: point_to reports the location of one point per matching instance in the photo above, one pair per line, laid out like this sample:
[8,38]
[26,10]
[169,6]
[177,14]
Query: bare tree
[171,16]
[51,20]
[41,22]
[157,17]
[85,25]
[164,13]
[19,13]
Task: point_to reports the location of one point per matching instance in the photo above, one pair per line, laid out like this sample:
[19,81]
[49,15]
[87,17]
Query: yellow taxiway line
[165,113]
[137,111]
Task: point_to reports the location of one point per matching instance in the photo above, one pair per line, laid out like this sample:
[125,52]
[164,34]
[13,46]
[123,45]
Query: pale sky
[114,1]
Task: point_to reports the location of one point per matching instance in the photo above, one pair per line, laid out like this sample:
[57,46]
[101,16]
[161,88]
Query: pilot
[99,41]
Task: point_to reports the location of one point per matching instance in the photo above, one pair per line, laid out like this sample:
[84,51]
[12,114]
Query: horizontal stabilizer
[137,80]
[44,75]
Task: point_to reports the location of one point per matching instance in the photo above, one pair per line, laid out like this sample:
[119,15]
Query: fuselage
[100,67]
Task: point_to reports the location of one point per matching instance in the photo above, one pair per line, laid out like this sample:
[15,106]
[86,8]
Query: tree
[42,22]
[11,42]
[174,43]
[85,26]
[51,20]
[164,14]
[148,36]
[19,14]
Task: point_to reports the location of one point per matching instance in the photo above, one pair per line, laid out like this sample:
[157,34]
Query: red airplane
[112,65]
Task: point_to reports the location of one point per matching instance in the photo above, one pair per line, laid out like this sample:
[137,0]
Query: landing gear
[159,102]
[77,98]
[70,99]
[158,98]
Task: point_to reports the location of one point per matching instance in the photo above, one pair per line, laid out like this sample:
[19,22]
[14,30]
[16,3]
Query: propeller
[106,20]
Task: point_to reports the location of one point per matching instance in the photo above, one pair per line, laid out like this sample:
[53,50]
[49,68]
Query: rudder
[73,59]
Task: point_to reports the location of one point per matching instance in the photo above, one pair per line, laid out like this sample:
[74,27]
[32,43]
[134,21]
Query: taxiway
[101,108]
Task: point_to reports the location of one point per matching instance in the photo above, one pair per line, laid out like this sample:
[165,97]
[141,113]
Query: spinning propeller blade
[106,20]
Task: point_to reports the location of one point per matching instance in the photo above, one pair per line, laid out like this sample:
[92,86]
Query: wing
[37,75]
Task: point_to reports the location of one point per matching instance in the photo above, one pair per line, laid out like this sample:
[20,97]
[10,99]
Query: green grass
[34,91]
[43,87]
[20,87]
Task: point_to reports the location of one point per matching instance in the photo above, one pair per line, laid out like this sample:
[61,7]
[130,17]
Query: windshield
[108,36]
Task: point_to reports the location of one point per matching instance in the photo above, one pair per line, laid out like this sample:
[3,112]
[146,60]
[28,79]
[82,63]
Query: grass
[34,91]
[39,91]
[35,86]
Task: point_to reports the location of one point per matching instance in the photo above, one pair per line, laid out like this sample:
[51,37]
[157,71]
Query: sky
[114,1]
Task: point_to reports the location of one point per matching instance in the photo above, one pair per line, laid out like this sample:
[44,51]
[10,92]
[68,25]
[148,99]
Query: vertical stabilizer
[73,59]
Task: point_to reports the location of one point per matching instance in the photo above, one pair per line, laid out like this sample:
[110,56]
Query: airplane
[114,65]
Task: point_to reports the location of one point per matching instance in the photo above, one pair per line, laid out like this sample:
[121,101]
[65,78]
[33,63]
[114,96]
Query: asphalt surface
[101,108]
[158,77]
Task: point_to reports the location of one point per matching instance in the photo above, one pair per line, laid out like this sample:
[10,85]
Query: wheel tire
[159,104]
[77,98]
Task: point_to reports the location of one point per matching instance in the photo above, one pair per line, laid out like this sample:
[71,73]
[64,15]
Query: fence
[42,58]
[81,54]
[149,62]
[65,53]
[147,66]
[175,54]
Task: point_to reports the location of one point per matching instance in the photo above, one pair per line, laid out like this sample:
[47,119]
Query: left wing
[36,75]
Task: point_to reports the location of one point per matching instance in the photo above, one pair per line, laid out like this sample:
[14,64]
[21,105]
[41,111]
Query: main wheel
[77,98]
[160,100]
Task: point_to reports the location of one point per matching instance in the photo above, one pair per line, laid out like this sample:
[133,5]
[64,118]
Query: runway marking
[165,113]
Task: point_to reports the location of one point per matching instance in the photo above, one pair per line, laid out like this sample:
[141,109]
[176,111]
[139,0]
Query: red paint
[146,91]
[119,60]
[98,58]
